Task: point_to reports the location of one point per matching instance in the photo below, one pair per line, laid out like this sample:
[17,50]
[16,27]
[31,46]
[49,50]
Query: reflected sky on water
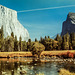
[21,67]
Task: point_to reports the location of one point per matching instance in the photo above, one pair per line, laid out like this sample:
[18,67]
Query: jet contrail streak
[46,8]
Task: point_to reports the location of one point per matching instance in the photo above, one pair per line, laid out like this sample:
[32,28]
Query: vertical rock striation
[8,18]
[69,24]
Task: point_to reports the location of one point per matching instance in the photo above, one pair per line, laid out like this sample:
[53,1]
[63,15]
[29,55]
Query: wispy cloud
[28,25]
[46,8]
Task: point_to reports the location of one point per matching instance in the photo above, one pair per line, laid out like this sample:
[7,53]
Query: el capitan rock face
[69,24]
[8,18]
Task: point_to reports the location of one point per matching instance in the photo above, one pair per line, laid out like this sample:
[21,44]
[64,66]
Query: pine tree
[29,45]
[24,46]
[65,42]
[48,37]
[54,45]
[10,44]
[29,40]
[47,42]
[15,44]
[59,39]
[41,40]
[20,43]
[67,37]
[6,46]
[72,41]
[35,39]
[1,39]
[12,34]
[45,38]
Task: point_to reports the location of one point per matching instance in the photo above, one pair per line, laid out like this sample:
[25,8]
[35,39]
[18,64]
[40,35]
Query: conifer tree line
[10,44]
[66,42]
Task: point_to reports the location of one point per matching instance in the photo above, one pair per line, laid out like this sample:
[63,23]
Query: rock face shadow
[69,24]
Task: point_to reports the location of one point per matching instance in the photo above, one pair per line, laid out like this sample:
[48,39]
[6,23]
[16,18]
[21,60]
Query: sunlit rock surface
[69,24]
[8,18]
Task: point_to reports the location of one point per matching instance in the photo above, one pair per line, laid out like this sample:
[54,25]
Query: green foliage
[49,44]
[72,37]
[66,42]
[72,41]
[29,46]
[59,39]
[67,37]
[37,48]
[54,45]
[11,43]
[24,46]
[73,45]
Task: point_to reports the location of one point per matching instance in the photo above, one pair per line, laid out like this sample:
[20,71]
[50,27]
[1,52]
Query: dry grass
[15,54]
[65,72]
[59,53]
[29,54]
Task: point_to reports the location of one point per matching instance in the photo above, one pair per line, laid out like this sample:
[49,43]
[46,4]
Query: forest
[11,44]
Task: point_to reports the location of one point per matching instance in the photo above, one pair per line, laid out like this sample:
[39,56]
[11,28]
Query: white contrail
[46,8]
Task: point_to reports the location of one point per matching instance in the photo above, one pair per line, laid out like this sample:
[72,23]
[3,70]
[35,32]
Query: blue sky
[42,22]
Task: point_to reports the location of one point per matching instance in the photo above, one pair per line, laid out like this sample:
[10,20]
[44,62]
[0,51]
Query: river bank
[46,56]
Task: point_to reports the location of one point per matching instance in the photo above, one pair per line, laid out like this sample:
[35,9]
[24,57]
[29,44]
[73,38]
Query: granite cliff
[8,18]
[69,24]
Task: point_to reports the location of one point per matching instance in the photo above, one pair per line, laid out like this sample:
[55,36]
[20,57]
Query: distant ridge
[53,37]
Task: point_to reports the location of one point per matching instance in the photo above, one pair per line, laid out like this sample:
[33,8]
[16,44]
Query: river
[20,67]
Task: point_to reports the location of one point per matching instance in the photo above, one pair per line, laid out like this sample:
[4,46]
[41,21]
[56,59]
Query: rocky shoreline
[30,59]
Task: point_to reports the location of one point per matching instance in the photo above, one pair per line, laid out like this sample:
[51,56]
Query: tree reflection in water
[24,67]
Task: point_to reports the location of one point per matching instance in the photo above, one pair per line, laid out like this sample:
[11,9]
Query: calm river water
[20,67]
